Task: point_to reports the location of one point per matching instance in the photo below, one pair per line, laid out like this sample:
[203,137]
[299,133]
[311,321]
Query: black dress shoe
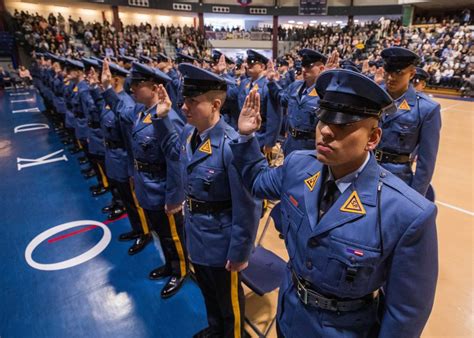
[95,187]
[102,190]
[83,160]
[86,170]
[107,208]
[74,150]
[174,284]
[139,244]
[89,174]
[116,213]
[128,236]
[66,141]
[161,272]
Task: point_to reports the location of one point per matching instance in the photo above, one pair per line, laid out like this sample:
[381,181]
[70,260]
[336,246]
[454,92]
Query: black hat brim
[338,117]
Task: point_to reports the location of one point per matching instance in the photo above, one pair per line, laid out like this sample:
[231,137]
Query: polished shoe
[161,272]
[83,160]
[95,187]
[102,190]
[174,284]
[107,208]
[86,170]
[74,150]
[140,243]
[89,174]
[116,213]
[128,236]
[66,141]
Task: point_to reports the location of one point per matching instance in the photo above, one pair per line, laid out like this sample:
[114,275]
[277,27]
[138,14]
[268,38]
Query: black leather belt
[302,134]
[310,297]
[93,124]
[110,144]
[386,157]
[151,168]
[207,207]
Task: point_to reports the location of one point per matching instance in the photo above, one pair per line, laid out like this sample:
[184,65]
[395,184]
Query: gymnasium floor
[47,292]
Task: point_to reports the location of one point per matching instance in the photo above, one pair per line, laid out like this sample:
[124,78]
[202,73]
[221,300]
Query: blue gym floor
[108,295]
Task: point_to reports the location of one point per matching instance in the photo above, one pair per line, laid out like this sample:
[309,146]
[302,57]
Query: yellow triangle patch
[311,181]
[404,105]
[206,147]
[353,204]
[75,89]
[247,85]
[147,119]
[313,92]
[255,87]
[67,82]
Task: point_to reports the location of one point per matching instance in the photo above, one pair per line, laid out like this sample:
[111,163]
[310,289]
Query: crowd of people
[445,48]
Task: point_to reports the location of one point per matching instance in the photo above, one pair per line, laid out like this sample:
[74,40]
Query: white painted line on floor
[450,106]
[17,94]
[25,100]
[470,213]
[27,110]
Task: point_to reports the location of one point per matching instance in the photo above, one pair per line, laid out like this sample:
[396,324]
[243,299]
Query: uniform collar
[345,182]
[409,96]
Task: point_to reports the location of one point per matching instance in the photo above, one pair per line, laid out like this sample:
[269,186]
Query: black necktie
[302,91]
[330,195]
[195,141]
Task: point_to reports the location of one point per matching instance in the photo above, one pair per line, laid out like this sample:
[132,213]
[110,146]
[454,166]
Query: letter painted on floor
[30,127]
[39,161]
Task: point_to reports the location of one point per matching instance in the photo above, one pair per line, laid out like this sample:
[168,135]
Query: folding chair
[265,271]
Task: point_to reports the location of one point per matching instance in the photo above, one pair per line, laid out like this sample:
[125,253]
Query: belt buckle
[378,155]
[301,289]
[293,132]
[190,205]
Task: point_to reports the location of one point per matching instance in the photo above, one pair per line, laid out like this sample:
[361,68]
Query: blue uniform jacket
[127,110]
[70,120]
[95,137]
[209,175]
[399,253]
[415,130]
[301,112]
[154,191]
[271,115]
[174,89]
[80,109]
[118,161]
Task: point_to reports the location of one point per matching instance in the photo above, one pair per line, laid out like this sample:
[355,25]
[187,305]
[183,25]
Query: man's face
[198,110]
[143,91]
[254,69]
[311,71]
[339,145]
[398,81]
